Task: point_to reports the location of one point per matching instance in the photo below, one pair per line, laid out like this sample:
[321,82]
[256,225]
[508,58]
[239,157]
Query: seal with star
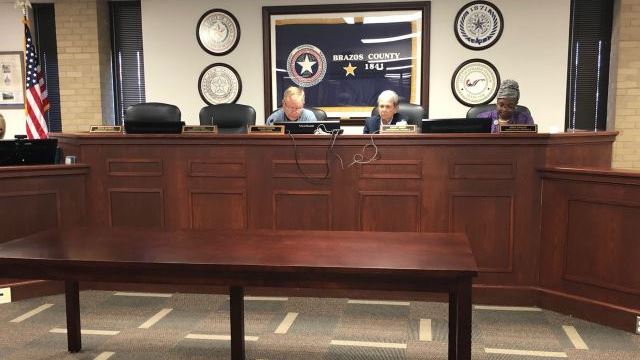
[218,32]
[219,84]
[306,65]
[478,25]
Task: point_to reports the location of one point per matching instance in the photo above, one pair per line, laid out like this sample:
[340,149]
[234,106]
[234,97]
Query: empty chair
[474,111]
[152,112]
[230,118]
[412,112]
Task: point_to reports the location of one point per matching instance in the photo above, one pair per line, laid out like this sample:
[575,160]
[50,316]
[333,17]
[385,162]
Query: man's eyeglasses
[293,108]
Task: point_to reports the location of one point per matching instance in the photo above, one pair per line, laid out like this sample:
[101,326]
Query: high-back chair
[412,112]
[319,113]
[474,111]
[230,118]
[152,112]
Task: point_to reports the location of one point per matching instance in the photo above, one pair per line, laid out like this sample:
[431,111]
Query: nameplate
[518,128]
[105,129]
[198,129]
[397,129]
[265,129]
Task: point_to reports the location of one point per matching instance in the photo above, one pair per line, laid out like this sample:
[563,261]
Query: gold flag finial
[23,5]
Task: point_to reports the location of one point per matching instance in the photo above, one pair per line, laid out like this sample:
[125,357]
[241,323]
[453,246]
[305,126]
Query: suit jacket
[372,124]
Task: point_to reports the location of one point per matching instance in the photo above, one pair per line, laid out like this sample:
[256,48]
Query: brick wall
[84,86]
[626,149]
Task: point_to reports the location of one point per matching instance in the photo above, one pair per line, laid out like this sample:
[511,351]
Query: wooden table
[441,262]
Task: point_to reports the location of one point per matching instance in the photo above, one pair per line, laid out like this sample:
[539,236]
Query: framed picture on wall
[345,55]
[12,80]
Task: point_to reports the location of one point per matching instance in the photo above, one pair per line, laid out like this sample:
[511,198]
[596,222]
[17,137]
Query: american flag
[37,102]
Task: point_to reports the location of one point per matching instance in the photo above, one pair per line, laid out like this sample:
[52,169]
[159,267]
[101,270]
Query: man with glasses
[292,108]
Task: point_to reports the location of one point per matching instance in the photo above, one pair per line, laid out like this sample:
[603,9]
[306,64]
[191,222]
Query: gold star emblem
[350,70]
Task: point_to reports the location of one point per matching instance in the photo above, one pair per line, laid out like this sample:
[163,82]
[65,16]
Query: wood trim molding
[158,162]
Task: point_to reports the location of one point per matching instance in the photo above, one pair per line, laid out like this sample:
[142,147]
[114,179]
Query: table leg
[72,300]
[237,322]
[453,323]
[460,320]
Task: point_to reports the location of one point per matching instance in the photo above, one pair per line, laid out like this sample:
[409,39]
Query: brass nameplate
[265,129]
[198,129]
[518,128]
[397,129]
[105,129]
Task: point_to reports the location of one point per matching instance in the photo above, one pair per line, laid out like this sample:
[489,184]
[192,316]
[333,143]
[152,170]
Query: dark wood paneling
[217,168]
[218,209]
[136,207]
[315,169]
[605,253]
[392,169]
[482,170]
[389,211]
[134,167]
[302,210]
[36,198]
[487,219]
[589,247]
[24,213]
[423,169]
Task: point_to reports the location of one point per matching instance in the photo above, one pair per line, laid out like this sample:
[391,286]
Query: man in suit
[292,108]
[387,113]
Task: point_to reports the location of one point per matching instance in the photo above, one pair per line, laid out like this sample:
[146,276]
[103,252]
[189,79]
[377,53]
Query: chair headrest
[149,112]
[228,116]
[414,113]
[474,111]
[320,114]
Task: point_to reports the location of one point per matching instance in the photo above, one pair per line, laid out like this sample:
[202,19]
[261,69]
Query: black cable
[309,179]
[357,158]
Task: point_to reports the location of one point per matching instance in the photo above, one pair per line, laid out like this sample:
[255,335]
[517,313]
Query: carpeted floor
[189,326]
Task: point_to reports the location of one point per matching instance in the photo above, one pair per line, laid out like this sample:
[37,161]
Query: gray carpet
[324,329]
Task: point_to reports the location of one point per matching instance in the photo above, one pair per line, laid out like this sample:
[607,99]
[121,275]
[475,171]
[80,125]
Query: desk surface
[323,259]
[284,252]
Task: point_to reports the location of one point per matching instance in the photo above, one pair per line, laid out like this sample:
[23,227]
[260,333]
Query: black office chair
[152,112]
[474,111]
[319,113]
[230,118]
[412,112]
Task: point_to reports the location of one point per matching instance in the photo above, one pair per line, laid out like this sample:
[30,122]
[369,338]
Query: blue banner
[346,65]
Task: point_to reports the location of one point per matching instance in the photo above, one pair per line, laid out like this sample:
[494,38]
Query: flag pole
[22,4]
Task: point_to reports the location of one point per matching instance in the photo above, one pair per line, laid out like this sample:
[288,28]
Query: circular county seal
[218,32]
[219,84]
[478,25]
[475,82]
[306,65]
